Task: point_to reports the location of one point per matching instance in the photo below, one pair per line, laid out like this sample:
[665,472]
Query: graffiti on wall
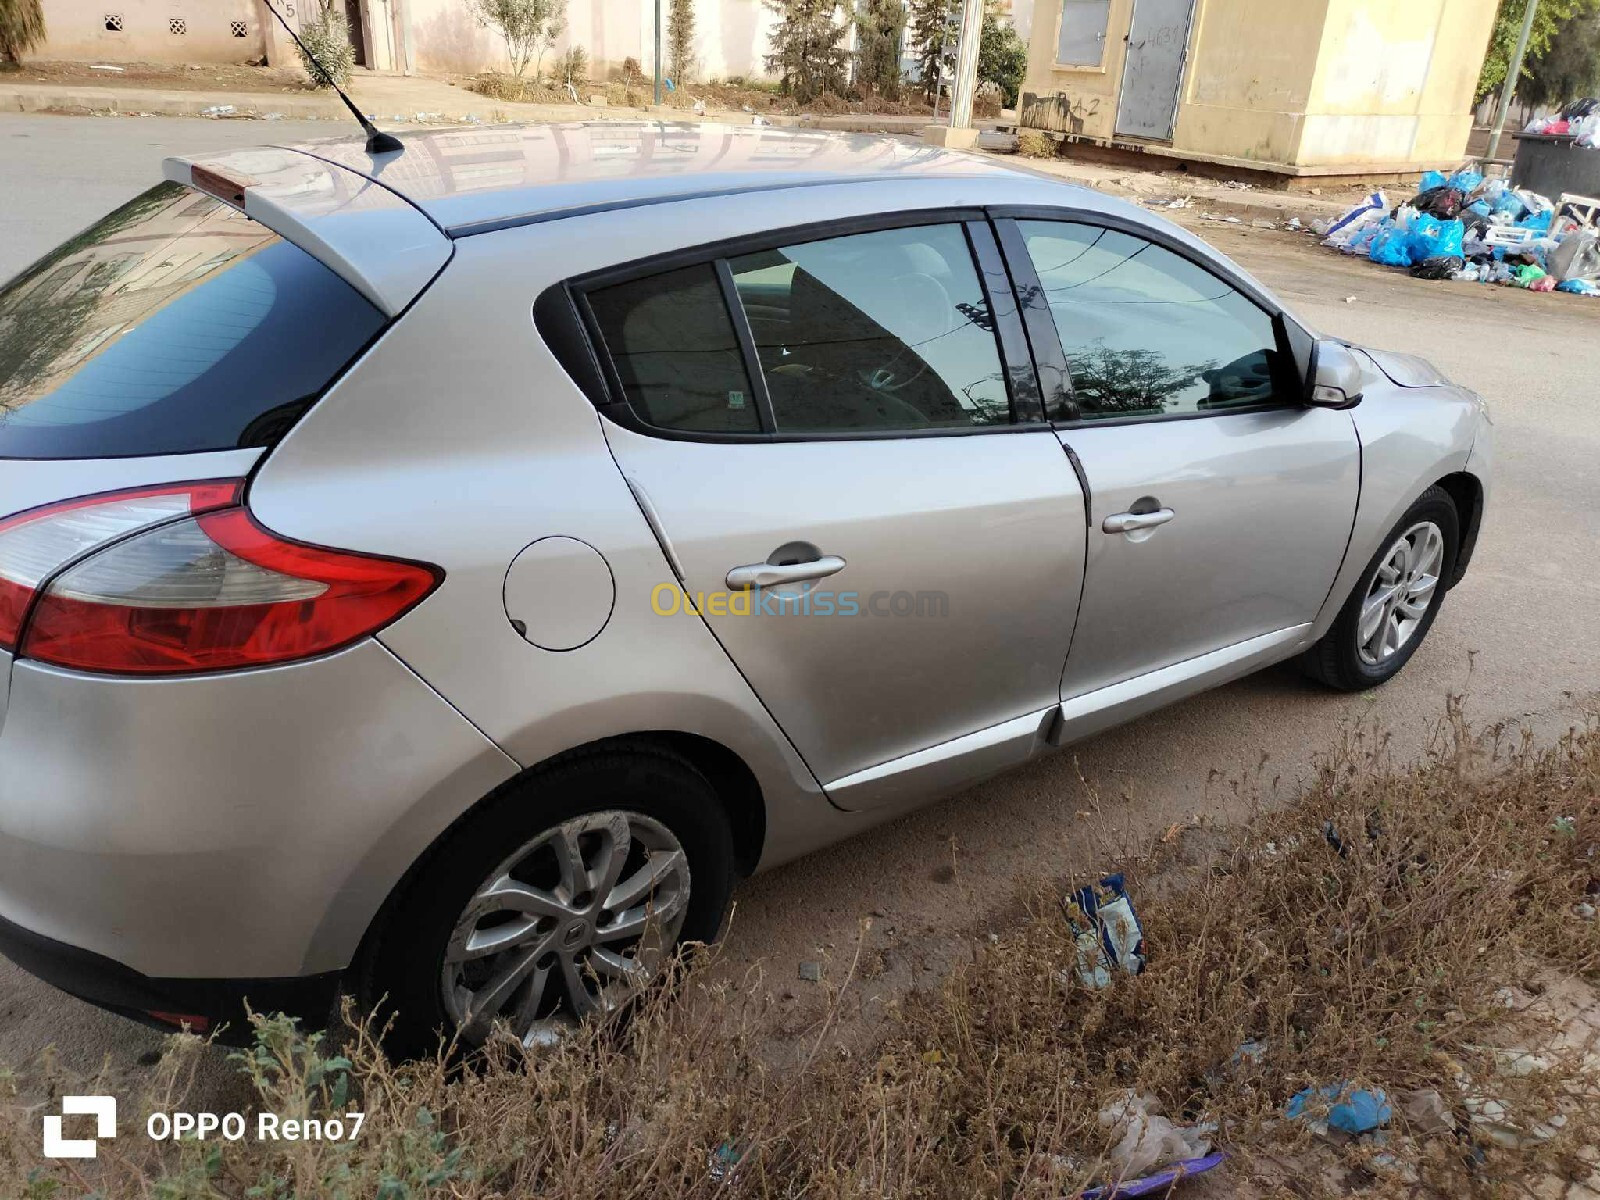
[1058,111]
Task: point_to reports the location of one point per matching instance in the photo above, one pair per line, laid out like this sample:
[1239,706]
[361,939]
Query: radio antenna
[378,142]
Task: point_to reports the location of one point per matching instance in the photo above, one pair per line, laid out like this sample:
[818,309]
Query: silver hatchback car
[440,575]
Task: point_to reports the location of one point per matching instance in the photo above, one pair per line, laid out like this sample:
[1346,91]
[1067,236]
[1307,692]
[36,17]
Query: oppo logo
[104,1111]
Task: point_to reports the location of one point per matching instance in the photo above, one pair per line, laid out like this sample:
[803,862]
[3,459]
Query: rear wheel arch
[731,779]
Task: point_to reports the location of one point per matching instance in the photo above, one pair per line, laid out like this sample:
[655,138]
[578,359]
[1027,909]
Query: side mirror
[1336,376]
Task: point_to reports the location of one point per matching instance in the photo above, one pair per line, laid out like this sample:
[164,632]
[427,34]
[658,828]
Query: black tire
[400,979]
[1336,659]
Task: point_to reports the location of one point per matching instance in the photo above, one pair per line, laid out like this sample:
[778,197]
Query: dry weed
[1364,934]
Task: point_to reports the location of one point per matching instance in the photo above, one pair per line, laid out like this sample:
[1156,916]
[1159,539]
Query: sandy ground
[1520,637]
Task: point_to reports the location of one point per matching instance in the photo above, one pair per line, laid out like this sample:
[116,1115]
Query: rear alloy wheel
[618,854]
[1393,607]
[570,925]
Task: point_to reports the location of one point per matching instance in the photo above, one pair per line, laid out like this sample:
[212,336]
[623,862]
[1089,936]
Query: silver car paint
[378,242]
[980,536]
[459,440]
[235,825]
[1262,503]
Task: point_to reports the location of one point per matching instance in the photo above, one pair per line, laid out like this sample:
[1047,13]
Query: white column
[966,82]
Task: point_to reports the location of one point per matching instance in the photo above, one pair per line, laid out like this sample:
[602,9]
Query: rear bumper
[220,1003]
[233,827]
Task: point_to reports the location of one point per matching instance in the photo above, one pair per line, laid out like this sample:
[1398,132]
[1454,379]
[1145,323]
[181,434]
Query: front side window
[1147,332]
[876,331]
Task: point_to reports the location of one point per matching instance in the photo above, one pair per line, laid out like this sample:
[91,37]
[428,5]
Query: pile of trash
[1580,120]
[1476,230]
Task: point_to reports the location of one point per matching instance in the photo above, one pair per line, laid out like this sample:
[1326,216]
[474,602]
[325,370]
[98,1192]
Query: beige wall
[1302,83]
[731,36]
[75,30]
[1396,81]
[1076,100]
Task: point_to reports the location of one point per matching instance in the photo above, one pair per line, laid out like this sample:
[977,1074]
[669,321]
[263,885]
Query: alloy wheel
[571,925]
[1401,593]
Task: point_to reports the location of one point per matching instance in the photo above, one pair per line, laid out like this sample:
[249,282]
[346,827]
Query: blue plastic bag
[1430,237]
[1465,181]
[1430,180]
[1350,1109]
[1481,207]
[1539,221]
[1511,205]
[1391,247]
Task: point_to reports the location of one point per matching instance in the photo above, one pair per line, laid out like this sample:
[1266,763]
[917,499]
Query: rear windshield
[175,324]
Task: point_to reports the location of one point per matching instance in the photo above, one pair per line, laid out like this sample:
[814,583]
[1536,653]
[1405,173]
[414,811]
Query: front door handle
[766,575]
[1132,522]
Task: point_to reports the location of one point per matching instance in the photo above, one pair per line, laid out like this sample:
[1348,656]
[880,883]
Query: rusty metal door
[1158,44]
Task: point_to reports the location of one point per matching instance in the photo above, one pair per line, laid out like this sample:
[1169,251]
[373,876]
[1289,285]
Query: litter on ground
[1467,228]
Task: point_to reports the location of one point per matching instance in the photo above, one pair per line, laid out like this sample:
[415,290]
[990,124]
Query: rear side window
[174,325]
[676,351]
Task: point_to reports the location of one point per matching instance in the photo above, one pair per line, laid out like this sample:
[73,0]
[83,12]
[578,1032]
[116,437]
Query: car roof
[467,179]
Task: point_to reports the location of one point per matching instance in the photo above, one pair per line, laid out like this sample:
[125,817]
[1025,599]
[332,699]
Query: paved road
[1520,637]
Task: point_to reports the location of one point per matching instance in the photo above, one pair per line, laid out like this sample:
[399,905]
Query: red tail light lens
[36,544]
[213,593]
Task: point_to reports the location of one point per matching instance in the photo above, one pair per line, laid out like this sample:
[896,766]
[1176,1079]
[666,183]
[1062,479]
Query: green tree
[1547,21]
[806,50]
[528,27]
[1002,57]
[21,28]
[880,25]
[1569,69]
[935,28]
[680,41]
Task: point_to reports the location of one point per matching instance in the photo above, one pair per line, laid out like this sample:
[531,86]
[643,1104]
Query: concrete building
[1305,87]
[731,36]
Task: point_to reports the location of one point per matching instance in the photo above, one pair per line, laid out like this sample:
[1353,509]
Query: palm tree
[21,28]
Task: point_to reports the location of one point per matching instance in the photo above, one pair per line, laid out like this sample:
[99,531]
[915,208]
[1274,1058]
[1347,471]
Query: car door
[1220,506]
[855,485]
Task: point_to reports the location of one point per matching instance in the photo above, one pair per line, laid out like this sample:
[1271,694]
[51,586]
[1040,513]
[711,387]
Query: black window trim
[567,322]
[1045,338]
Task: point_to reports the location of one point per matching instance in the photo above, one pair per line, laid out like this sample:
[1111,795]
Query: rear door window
[175,324]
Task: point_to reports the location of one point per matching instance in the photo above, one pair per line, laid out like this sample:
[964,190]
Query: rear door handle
[1131,522]
[765,575]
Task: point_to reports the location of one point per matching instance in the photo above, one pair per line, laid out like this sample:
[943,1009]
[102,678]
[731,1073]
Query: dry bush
[1361,935]
[1035,143]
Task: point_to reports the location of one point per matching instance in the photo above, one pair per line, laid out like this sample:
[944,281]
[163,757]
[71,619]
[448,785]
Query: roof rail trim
[495,224]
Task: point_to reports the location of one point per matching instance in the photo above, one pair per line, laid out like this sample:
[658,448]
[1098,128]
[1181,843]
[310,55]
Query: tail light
[169,593]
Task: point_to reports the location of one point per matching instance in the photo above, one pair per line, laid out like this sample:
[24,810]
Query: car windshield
[175,324]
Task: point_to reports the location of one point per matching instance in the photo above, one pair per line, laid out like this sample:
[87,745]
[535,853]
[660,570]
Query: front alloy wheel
[1391,609]
[1401,593]
[570,925]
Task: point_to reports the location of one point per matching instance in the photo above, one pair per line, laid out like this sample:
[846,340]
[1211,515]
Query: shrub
[21,28]
[680,41]
[331,55]
[573,65]
[632,72]
[528,27]
[1035,143]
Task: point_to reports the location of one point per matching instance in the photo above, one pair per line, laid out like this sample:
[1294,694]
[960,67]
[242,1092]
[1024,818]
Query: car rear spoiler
[373,238]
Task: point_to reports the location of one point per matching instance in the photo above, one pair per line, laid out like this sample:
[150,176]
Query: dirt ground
[180,77]
[1519,637]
